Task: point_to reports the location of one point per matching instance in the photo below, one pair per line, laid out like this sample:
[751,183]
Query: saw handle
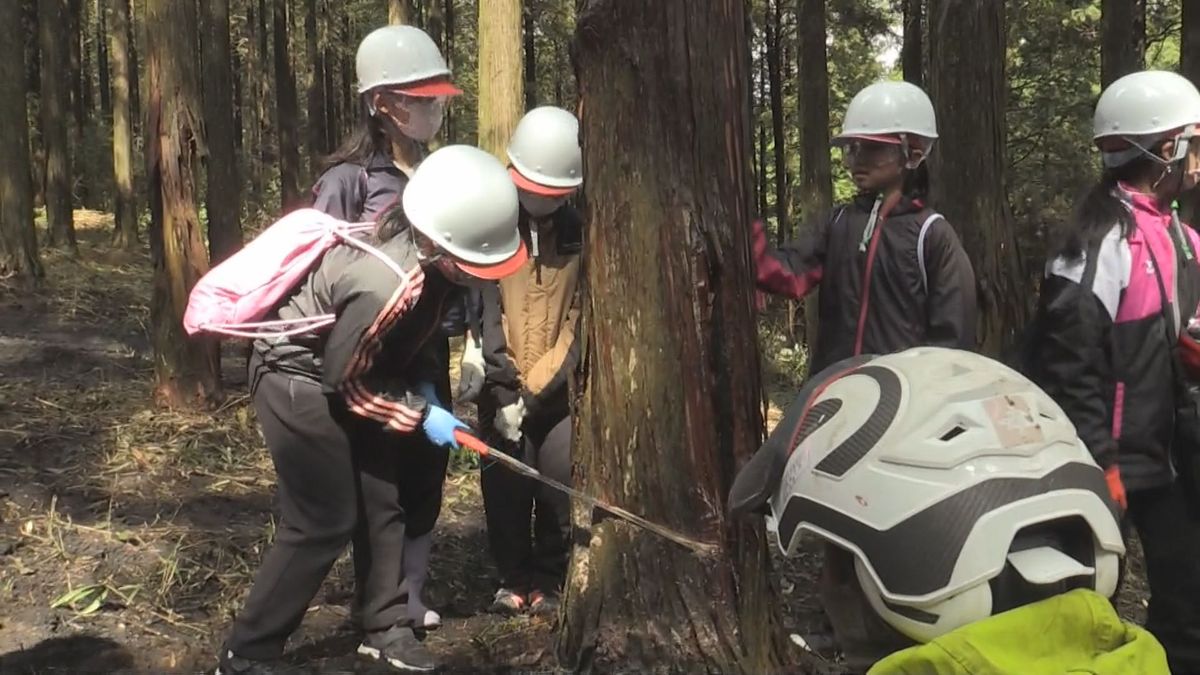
[471,442]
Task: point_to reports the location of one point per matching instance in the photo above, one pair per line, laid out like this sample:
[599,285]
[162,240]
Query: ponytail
[916,182]
[1100,209]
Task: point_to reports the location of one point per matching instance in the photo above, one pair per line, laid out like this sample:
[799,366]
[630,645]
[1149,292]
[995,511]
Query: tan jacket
[530,319]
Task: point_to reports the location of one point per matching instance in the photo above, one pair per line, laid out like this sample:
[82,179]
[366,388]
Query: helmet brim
[499,270]
[524,183]
[430,89]
[874,138]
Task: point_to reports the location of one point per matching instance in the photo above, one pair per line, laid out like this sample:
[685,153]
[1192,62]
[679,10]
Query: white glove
[509,419]
[470,372]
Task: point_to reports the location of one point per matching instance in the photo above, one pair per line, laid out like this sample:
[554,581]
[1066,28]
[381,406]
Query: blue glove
[439,426]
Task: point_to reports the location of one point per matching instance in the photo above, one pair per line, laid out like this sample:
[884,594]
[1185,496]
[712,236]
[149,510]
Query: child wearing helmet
[892,273]
[333,404]
[529,325]
[1116,295]
[979,525]
[403,87]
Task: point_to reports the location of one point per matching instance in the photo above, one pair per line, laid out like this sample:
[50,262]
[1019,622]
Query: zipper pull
[867,233]
[533,240]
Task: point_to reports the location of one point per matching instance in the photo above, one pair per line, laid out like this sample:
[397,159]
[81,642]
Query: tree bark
[529,20]
[186,369]
[55,106]
[1189,67]
[135,88]
[73,33]
[286,112]
[399,12]
[18,239]
[669,268]
[774,53]
[501,83]
[1123,39]
[967,55]
[223,197]
[102,60]
[318,145]
[125,232]
[448,51]
[912,58]
[816,174]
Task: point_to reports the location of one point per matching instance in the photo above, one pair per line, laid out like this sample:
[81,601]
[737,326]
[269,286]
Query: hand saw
[484,450]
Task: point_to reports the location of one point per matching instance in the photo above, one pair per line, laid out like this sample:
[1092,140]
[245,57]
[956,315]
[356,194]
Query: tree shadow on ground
[73,654]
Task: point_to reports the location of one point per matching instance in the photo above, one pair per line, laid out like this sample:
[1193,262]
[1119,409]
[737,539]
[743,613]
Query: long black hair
[368,139]
[916,182]
[1101,208]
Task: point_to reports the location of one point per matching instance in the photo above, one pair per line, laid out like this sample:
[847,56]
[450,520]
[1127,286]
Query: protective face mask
[424,118]
[539,206]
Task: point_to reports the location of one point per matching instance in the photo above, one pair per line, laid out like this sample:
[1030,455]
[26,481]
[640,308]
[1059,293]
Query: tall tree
[967,50]
[223,198]
[135,87]
[448,50]
[186,369]
[55,104]
[816,174]
[125,233]
[18,240]
[911,51]
[74,30]
[1123,38]
[102,58]
[529,23]
[1189,67]
[399,11]
[774,56]
[318,143]
[286,111]
[669,267]
[501,85]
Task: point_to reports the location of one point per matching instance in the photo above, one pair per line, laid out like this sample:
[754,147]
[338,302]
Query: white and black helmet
[960,487]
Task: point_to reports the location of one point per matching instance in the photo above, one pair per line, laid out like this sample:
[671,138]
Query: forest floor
[129,535]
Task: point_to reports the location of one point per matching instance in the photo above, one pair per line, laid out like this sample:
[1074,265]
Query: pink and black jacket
[1102,349]
[891,277]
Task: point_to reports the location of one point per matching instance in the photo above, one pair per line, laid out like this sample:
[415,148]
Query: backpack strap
[921,249]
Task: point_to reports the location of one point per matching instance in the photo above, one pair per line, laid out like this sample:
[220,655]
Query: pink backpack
[235,295]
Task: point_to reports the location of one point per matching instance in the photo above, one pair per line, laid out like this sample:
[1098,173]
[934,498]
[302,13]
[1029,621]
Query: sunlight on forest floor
[129,535]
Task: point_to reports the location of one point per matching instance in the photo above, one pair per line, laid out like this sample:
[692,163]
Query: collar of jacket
[565,222]
[381,161]
[1144,204]
[865,201]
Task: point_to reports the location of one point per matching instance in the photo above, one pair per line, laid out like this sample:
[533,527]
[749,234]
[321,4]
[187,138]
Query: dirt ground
[129,535]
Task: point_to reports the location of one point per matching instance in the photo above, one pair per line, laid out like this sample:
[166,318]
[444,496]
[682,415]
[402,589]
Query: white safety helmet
[396,56]
[462,199]
[890,112]
[1141,109]
[960,487]
[545,154]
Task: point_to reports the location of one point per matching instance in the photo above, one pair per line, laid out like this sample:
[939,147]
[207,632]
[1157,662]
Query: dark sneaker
[399,648]
[508,601]
[232,664]
[543,604]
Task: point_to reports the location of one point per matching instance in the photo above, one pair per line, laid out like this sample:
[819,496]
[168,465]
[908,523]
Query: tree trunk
[286,112]
[500,80]
[911,53]
[1123,39]
[967,52]
[186,369]
[760,177]
[1189,67]
[135,87]
[125,233]
[669,265]
[55,104]
[33,84]
[774,52]
[72,36]
[816,175]
[448,50]
[529,20]
[223,198]
[18,239]
[102,60]
[317,137]
[400,11]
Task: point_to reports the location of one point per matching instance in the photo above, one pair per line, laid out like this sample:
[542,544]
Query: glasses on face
[870,153]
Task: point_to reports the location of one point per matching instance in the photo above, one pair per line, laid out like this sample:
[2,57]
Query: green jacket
[1077,632]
